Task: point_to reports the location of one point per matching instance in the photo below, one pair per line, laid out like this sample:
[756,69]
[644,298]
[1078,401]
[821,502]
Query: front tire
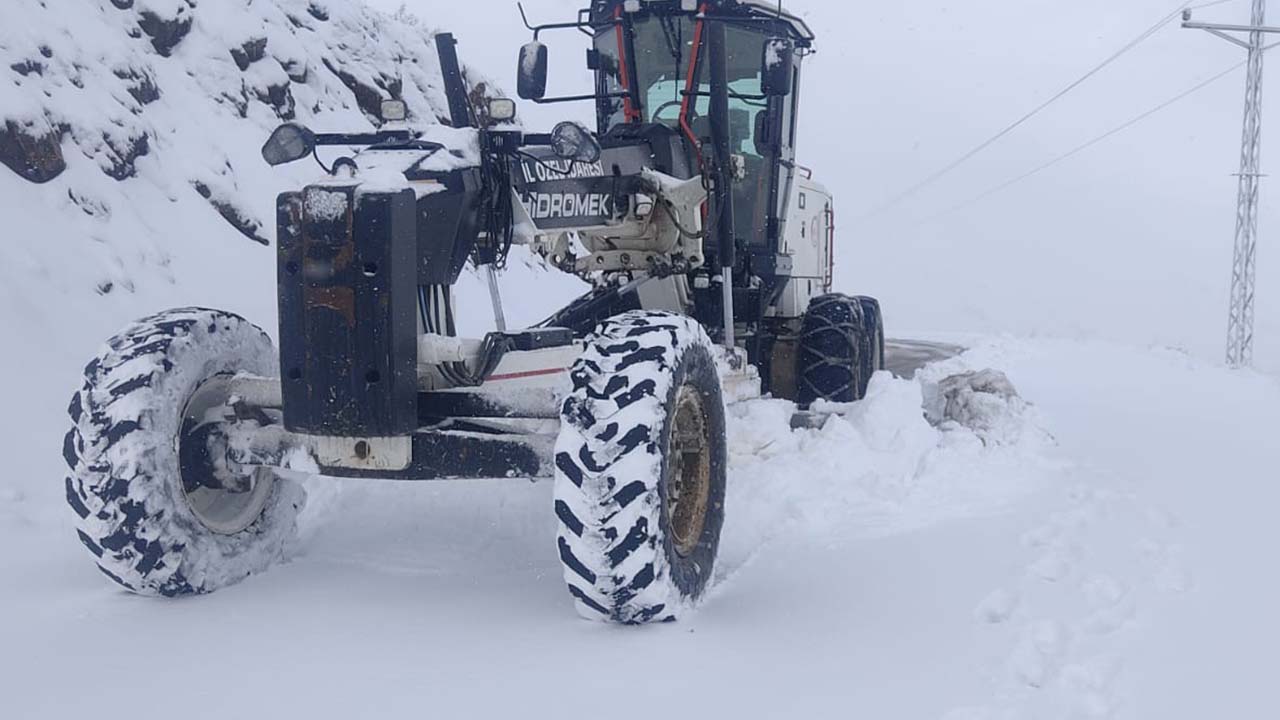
[154,498]
[641,470]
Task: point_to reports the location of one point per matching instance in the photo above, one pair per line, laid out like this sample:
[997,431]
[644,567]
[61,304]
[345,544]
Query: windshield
[609,80]
[664,48]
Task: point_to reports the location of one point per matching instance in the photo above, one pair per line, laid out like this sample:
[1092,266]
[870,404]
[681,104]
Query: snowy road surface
[877,568]
[904,357]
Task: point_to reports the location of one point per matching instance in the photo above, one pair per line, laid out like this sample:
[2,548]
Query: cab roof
[602,9]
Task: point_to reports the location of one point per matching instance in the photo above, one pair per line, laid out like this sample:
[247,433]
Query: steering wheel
[657,114]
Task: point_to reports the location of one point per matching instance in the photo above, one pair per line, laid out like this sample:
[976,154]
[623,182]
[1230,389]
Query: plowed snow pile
[881,466]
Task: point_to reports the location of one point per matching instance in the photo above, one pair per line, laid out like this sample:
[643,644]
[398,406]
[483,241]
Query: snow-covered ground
[1110,558]
[1103,553]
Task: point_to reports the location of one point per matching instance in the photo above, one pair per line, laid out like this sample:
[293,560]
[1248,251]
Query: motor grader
[709,253]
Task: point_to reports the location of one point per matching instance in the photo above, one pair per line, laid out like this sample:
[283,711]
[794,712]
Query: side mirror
[777,67]
[288,143]
[572,141]
[531,76]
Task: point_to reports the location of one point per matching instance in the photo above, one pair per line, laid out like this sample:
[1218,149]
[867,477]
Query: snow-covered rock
[984,401]
[144,118]
[130,136]
[132,179]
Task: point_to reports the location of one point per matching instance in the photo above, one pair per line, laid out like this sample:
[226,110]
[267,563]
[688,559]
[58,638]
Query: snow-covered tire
[127,462]
[831,365]
[872,337]
[639,524]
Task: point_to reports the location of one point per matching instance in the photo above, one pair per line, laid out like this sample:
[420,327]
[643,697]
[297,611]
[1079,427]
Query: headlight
[502,110]
[394,110]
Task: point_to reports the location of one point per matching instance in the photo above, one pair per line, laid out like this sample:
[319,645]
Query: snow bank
[880,465]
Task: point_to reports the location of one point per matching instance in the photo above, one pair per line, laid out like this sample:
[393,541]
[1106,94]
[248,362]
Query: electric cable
[948,169]
[1085,146]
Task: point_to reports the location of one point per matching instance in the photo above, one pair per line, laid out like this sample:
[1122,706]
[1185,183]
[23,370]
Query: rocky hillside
[122,80]
[132,181]
[130,134]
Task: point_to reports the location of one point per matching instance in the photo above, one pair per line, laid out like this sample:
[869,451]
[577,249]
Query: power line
[912,190]
[1211,4]
[1081,148]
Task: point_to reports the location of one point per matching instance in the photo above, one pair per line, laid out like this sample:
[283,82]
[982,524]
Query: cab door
[761,140]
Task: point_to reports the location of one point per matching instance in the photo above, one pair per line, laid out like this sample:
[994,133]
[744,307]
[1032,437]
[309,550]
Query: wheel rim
[223,497]
[688,472]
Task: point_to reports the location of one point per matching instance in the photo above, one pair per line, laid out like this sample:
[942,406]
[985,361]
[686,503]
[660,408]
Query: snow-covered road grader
[709,254]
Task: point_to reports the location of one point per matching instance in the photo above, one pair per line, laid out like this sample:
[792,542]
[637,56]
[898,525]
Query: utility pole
[1243,269]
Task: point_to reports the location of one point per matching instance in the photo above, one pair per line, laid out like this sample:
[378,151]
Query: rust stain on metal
[347,252]
[328,253]
[341,300]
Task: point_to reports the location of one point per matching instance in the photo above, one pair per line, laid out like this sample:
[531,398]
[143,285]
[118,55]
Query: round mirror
[289,142]
[572,141]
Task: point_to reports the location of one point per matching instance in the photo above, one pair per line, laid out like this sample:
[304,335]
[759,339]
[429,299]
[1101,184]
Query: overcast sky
[1130,239]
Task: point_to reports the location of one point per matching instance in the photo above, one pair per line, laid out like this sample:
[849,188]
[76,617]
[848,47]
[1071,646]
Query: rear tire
[153,502]
[872,336]
[831,363]
[640,470]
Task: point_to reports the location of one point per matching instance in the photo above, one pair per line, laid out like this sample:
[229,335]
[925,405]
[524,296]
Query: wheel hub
[223,496]
[688,471]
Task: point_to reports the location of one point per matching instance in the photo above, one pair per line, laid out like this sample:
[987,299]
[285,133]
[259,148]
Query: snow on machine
[709,251]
